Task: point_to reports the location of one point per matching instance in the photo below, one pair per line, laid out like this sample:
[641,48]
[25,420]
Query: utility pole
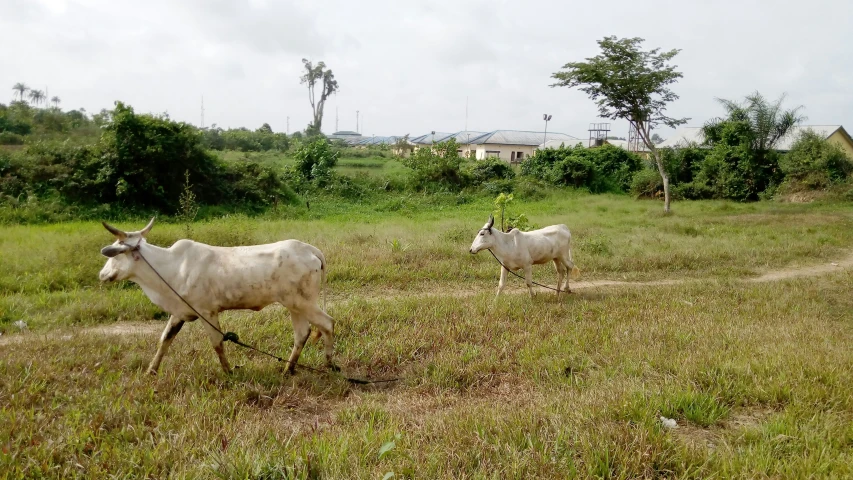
[545,117]
[202,111]
[288,125]
[336,119]
[356,121]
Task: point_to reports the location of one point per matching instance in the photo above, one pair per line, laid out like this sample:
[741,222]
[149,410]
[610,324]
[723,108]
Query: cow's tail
[575,272]
[315,333]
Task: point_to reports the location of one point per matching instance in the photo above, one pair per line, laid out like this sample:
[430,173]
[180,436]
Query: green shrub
[437,168]
[315,160]
[600,169]
[815,163]
[9,138]
[490,169]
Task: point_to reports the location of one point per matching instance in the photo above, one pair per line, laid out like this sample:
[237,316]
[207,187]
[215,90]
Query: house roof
[623,144]
[518,137]
[429,138]
[685,136]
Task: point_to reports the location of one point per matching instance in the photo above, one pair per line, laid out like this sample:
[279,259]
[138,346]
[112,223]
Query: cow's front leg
[502,282]
[173,326]
[213,332]
[528,278]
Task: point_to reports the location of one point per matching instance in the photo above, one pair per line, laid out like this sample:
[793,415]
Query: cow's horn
[118,233]
[147,228]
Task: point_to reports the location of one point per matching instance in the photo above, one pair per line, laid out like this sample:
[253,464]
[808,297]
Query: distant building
[685,136]
[514,145]
[346,135]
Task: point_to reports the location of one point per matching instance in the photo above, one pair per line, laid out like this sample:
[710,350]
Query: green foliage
[508,222]
[10,138]
[188,206]
[244,140]
[136,166]
[437,168]
[626,82]
[315,159]
[815,163]
[601,169]
[490,169]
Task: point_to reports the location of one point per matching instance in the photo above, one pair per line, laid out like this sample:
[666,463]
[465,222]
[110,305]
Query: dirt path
[151,328]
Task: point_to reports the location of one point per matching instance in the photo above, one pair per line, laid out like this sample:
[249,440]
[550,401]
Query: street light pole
[545,117]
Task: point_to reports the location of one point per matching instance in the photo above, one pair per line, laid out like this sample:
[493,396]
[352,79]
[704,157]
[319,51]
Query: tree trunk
[665,178]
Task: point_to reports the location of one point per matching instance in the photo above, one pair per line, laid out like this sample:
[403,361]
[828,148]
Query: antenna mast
[336,119]
[356,122]
[202,111]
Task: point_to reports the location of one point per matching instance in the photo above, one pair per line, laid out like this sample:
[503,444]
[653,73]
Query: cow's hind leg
[213,333]
[528,279]
[561,271]
[326,326]
[173,326]
[301,329]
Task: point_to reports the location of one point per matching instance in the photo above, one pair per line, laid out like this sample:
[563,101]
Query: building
[685,136]
[514,145]
[349,137]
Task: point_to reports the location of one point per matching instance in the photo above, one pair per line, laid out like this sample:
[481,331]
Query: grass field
[729,318]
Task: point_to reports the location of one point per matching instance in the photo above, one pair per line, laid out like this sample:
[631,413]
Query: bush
[815,163]
[315,160]
[9,138]
[138,165]
[647,184]
[437,168]
[490,169]
[600,169]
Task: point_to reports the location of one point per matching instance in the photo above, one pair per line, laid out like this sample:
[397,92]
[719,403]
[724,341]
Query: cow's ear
[491,222]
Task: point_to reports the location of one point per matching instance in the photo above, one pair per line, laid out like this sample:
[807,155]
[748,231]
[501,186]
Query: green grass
[756,374]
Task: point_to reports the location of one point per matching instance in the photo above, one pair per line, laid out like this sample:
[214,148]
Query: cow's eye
[481,234]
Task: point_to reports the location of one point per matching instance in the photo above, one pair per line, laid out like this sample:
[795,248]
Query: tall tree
[768,121]
[36,96]
[315,74]
[21,89]
[55,101]
[631,84]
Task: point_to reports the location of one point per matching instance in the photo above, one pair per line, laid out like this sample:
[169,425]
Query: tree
[657,138]
[767,121]
[55,101]
[318,74]
[629,83]
[21,89]
[265,128]
[36,96]
[743,161]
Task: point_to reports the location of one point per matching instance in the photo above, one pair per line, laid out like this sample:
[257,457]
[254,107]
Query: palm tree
[55,101]
[36,96]
[21,89]
[768,121]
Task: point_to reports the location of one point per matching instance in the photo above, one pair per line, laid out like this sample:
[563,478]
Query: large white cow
[215,279]
[521,250]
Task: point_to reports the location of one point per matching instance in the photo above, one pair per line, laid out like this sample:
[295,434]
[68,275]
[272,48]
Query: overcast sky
[408,66]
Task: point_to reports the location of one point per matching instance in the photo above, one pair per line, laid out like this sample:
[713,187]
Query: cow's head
[485,237]
[122,253]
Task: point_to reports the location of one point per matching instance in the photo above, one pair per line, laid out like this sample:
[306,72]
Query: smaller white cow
[521,250]
[215,279]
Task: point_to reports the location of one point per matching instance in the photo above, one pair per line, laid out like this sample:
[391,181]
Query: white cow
[215,279]
[521,250]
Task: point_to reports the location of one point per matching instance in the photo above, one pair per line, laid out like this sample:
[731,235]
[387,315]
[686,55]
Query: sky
[409,67]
